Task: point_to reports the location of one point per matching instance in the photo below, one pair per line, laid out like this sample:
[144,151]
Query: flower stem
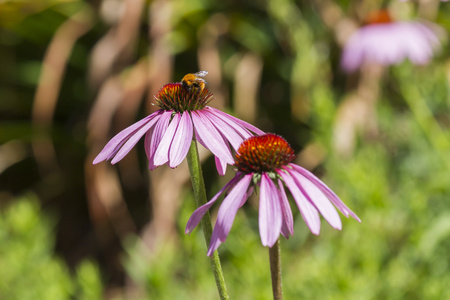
[275,270]
[200,199]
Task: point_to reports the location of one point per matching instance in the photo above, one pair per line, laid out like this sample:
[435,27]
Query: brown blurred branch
[357,113]
[49,86]
[209,57]
[247,82]
[332,15]
[121,94]
[160,53]
[164,201]
[114,51]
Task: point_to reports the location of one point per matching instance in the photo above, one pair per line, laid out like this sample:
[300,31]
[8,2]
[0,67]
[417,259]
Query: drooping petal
[113,146]
[147,141]
[158,133]
[270,216]
[287,227]
[211,138]
[327,191]
[227,130]
[162,152]
[232,121]
[317,198]
[215,243]
[133,139]
[227,212]
[308,211]
[221,166]
[181,141]
[197,215]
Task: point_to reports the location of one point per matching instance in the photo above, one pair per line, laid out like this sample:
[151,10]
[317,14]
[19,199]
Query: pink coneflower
[408,0]
[265,161]
[386,42]
[169,131]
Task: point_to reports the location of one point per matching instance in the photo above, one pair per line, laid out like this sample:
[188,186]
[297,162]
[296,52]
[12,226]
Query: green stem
[275,270]
[200,199]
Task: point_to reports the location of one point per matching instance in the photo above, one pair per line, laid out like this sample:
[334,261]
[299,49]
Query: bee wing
[201,74]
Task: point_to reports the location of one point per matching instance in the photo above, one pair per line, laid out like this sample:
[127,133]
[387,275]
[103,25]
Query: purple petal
[158,133]
[211,138]
[422,41]
[317,198]
[226,130]
[308,211]
[197,215]
[162,152]
[270,217]
[221,166]
[181,141]
[215,243]
[243,132]
[227,212]
[113,146]
[287,227]
[147,141]
[133,139]
[233,121]
[388,44]
[327,191]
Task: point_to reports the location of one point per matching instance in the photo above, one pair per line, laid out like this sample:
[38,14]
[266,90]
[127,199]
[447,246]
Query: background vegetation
[73,73]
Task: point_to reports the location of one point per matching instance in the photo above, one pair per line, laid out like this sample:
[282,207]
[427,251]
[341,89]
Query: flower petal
[162,152]
[133,139]
[227,130]
[390,43]
[240,126]
[212,139]
[147,141]
[158,133]
[200,211]
[221,166]
[308,211]
[317,198]
[114,145]
[181,141]
[287,227]
[270,217]
[327,191]
[227,212]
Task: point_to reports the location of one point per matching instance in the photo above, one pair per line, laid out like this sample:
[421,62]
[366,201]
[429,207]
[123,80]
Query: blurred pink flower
[265,161]
[169,131]
[408,0]
[386,43]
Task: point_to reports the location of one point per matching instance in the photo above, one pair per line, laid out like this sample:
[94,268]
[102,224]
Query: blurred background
[74,73]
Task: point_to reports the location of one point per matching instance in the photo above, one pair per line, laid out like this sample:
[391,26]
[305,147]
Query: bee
[194,81]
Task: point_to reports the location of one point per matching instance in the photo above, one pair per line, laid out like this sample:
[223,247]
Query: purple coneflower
[386,42]
[169,131]
[265,161]
[408,0]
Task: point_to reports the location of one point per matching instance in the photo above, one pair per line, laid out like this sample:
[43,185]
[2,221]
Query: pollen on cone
[263,154]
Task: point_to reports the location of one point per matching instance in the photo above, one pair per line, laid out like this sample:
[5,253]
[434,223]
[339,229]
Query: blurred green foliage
[28,267]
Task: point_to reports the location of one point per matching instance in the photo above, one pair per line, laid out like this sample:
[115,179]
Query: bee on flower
[183,116]
[194,81]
